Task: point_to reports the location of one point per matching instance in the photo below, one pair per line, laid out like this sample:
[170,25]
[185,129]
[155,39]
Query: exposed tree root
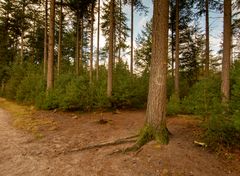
[147,134]
[128,139]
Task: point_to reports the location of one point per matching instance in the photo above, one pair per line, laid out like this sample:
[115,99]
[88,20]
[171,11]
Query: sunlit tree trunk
[45,40]
[60,40]
[111,50]
[50,76]
[227,33]
[177,52]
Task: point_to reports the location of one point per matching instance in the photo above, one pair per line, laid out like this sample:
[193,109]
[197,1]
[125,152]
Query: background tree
[45,39]
[203,7]
[50,78]
[225,86]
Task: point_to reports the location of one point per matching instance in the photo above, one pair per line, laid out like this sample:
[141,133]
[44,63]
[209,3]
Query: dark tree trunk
[60,40]
[132,20]
[227,34]
[98,36]
[77,46]
[91,50]
[111,50]
[207,39]
[45,40]
[177,52]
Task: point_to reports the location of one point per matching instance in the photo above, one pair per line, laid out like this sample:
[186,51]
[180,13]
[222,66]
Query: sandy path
[22,155]
[14,156]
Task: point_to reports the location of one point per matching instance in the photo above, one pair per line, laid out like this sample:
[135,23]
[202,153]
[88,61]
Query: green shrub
[76,95]
[173,106]
[17,73]
[31,85]
[220,131]
[203,97]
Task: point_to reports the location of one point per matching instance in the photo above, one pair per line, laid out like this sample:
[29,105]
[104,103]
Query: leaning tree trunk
[60,40]
[50,76]
[98,36]
[176,79]
[111,50]
[91,51]
[45,40]
[225,86]
[132,20]
[207,39]
[155,125]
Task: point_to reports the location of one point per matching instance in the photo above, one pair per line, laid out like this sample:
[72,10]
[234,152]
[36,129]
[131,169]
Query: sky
[215,21]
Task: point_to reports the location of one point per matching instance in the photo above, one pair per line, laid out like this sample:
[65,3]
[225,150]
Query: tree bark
[77,46]
[50,76]
[172,51]
[98,36]
[157,96]
[60,40]
[227,34]
[207,39]
[81,44]
[132,20]
[22,33]
[91,50]
[120,26]
[111,50]
[45,40]
[176,78]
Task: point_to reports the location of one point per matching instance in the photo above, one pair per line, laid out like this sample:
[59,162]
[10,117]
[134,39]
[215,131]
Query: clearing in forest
[59,147]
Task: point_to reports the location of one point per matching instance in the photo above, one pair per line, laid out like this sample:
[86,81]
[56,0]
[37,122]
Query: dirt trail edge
[59,152]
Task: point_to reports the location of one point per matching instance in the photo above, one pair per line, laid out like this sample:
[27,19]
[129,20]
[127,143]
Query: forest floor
[54,143]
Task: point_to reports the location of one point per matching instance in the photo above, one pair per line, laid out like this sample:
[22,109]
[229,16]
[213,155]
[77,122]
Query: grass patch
[22,118]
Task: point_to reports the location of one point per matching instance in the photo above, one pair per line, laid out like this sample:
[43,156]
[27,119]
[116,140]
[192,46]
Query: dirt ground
[57,152]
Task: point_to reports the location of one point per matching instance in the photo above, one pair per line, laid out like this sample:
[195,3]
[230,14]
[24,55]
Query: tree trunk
[172,51]
[77,46]
[207,39]
[81,44]
[111,49]
[45,40]
[155,125]
[91,50]
[120,26]
[50,76]
[132,20]
[22,33]
[98,36]
[177,52]
[227,34]
[60,40]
